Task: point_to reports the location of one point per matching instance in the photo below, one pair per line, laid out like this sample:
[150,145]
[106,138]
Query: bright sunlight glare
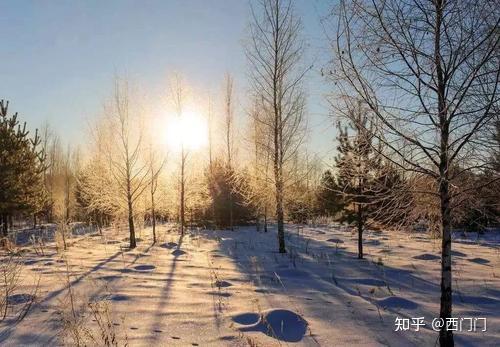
[190,131]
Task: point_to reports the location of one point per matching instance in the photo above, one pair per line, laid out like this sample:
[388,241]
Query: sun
[188,131]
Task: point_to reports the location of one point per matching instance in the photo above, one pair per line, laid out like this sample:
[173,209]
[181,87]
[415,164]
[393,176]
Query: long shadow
[331,271]
[139,255]
[216,304]
[77,280]
[263,268]
[165,293]
[47,233]
[6,333]
[28,339]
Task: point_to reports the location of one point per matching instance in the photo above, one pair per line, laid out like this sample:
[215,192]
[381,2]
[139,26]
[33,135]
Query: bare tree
[50,142]
[97,197]
[274,53]
[258,191]
[229,136]
[155,167]
[428,71]
[58,165]
[127,167]
[178,95]
[70,167]
[210,131]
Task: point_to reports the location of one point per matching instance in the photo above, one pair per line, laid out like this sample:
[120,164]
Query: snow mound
[30,261]
[119,297]
[426,256]
[112,297]
[335,240]
[108,278]
[280,324]
[479,261]
[178,252]
[145,267]
[223,284]
[247,318]
[17,299]
[169,245]
[395,302]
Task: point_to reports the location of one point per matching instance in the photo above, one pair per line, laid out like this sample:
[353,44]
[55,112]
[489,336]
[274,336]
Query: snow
[231,288]
[280,324]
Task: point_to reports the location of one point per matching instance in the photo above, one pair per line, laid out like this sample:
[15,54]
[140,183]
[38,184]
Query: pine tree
[357,164]
[329,201]
[226,192]
[21,165]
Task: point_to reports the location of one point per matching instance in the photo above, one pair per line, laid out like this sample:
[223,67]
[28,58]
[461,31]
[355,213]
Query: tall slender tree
[229,136]
[156,165]
[274,53]
[429,72]
[210,131]
[128,167]
[178,97]
[259,189]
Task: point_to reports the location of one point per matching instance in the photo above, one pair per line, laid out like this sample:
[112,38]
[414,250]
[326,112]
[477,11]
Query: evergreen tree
[21,164]
[228,200]
[298,206]
[357,164]
[329,200]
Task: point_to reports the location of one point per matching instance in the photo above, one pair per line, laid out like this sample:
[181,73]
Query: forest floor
[212,288]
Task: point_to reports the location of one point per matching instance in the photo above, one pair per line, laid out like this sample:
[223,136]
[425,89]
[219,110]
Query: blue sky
[59,58]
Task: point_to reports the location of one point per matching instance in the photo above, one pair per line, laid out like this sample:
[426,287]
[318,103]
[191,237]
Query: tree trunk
[191,218]
[63,233]
[5,225]
[131,228]
[231,210]
[360,231]
[154,183]
[67,197]
[280,215]
[281,231]
[445,336]
[99,222]
[265,219]
[153,216]
[5,231]
[182,191]
[278,175]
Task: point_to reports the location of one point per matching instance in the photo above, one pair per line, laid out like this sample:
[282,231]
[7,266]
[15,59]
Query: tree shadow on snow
[333,275]
[165,293]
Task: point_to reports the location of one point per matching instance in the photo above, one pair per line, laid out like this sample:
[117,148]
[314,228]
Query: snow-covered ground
[225,288]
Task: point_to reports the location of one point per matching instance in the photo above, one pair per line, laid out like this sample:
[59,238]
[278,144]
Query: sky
[59,58]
